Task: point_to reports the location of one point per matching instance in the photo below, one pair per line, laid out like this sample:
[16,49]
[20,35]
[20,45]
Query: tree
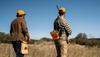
[4,38]
[81,36]
[45,39]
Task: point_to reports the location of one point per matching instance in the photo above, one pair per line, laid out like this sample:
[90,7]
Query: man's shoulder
[57,18]
[14,21]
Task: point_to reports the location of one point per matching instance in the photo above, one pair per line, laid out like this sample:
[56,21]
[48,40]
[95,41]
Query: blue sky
[83,16]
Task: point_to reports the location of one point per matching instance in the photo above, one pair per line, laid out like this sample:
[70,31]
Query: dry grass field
[47,49]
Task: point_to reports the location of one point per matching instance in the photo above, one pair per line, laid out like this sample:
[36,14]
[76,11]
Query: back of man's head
[62,11]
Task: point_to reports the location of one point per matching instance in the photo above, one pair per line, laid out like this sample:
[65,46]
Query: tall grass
[47,49]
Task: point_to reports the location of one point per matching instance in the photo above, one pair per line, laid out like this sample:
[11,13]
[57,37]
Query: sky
[82,15]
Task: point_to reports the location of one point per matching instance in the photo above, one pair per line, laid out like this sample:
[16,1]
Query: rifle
[57,7]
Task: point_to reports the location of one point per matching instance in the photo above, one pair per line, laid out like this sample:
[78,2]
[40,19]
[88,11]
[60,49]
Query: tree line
[80,39]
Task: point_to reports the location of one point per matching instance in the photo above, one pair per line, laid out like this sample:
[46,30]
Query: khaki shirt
[18,30]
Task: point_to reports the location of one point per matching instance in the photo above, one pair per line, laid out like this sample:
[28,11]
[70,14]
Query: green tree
[81,36]
[4,38]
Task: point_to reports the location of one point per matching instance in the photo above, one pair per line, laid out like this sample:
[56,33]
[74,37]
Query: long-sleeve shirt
[18,30]
[61,23]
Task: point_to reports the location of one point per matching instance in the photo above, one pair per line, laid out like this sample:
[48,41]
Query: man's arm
[66,26]
[25,30]
[11,29]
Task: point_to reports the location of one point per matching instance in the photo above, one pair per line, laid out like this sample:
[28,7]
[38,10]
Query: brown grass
[47,49]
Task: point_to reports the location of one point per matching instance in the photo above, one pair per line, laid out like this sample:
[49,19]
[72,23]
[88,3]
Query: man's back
[16,30]
[61,23]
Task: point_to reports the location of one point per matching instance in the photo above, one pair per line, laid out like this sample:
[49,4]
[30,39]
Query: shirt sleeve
[65,24]
[11,29]
[25,29]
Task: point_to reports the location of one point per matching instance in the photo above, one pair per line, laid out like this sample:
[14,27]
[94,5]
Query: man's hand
[67,41]
[27,38]
[24,42]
